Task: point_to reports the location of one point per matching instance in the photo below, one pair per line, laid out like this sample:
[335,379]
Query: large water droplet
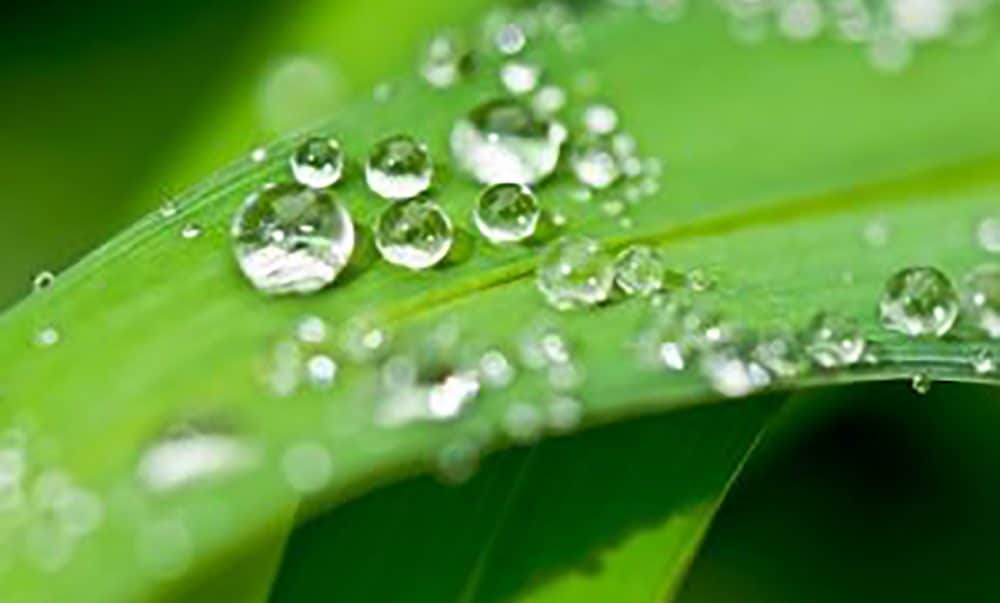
[507,213]
[399,167]
[292,239]
[187,454]
[502,141]
[414,234]
[594,162]
[318,162]
[832,341]
[981,299]
[575,272]
[919,301]
[638,270]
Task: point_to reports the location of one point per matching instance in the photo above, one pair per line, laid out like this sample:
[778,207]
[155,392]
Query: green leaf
[772,175]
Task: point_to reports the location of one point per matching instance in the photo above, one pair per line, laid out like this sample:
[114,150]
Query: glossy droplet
[921,383]
[457,462]
[781,355]
[495,370]
[414,234]
[311,329]
[292,239]
[445,61]
[307,466]
[318,162]
[258,155]
[510,39]
[502,141]
[168,209]
[575,272]
[983,361]
[191,230]
[187,455]
[639,271]
[548,101]
[732,374]
[47,337]
[981,299]
[447,398]
[507,213]
[919,301]
[832,341]
[600,119]
[42,281]
[321,370]
[988,234]
[399,167]
[594,163]
[519,77]
[523,423]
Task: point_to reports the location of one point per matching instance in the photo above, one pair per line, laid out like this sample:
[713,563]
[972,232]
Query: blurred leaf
[773,175]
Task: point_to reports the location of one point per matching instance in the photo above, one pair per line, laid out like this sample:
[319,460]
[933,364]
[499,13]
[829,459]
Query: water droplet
[191,230]
[446,59]
[307,467]
[922,19]
[322,370]
[284,375]
[564,413]
[519,77]
[983,361]
[600,119]
[548,101]
[638,270]
[981,299]
[921,383]
[189,454]
[318,162]
[919,301]
[565,376]
[523,423]
[507,213]
[311,329]
[414,234]
[510,39]
[42,281]
[399,167]
[698,280]
[677,330]
[575,272]
[541,346]
[988,234]
[292,239]
[800,19]
[781,355]
[832,341]
[47,337]
[258,155]
[495,370]
[594,163]
[502,141]
[876,233]
[168,209]
[733,375]
[447,398]
[363,340]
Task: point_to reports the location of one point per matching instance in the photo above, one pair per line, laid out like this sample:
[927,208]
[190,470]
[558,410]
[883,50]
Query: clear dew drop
[168,209]
[988,234]
[918,302]
[445,61]
[507,213]
[519,77]
[832,341]
[307,466]
[399,167]
[188,454]
[510,39]
[548,101]
[732,374]
[447,398]
[414,234]
[981,299]
[921,383]
[639,271]
[47,337]
[495,370]
[318,162]
[594,162]
[292,239]
[191,230]
[600,119]
[575,272]
[781,355]
[311,329]
[258,155]
[321,370]
[503,141]
[42,281]
[983,361]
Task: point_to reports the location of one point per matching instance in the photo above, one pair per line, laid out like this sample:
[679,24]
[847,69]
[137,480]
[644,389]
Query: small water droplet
[698,280]
[832,341]
[594,163]
[876,233]
[191,230]
[548,101]
[399,167]
[510,39]
[519,77]
[981,299]
[168,209]
[800,19]
[258,155]
[639,271]
[414,234]
[292,239]
[988,234]
[447,398]
[575,272]
[311,329]
[447,58]
[918,302]
[503,141]
[921,383]
[495,369]
[322,370]
[47,337]
[307,467]
[457,462]
[733,375]
[983,361]
[781,355]
[922,19]
[42,281]
[564,413]
[507,213]
[523,423]
[188,454]
[600,119]
[318,162]
[363,339]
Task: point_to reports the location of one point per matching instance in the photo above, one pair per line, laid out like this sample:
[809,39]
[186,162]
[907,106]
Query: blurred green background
[865,493]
